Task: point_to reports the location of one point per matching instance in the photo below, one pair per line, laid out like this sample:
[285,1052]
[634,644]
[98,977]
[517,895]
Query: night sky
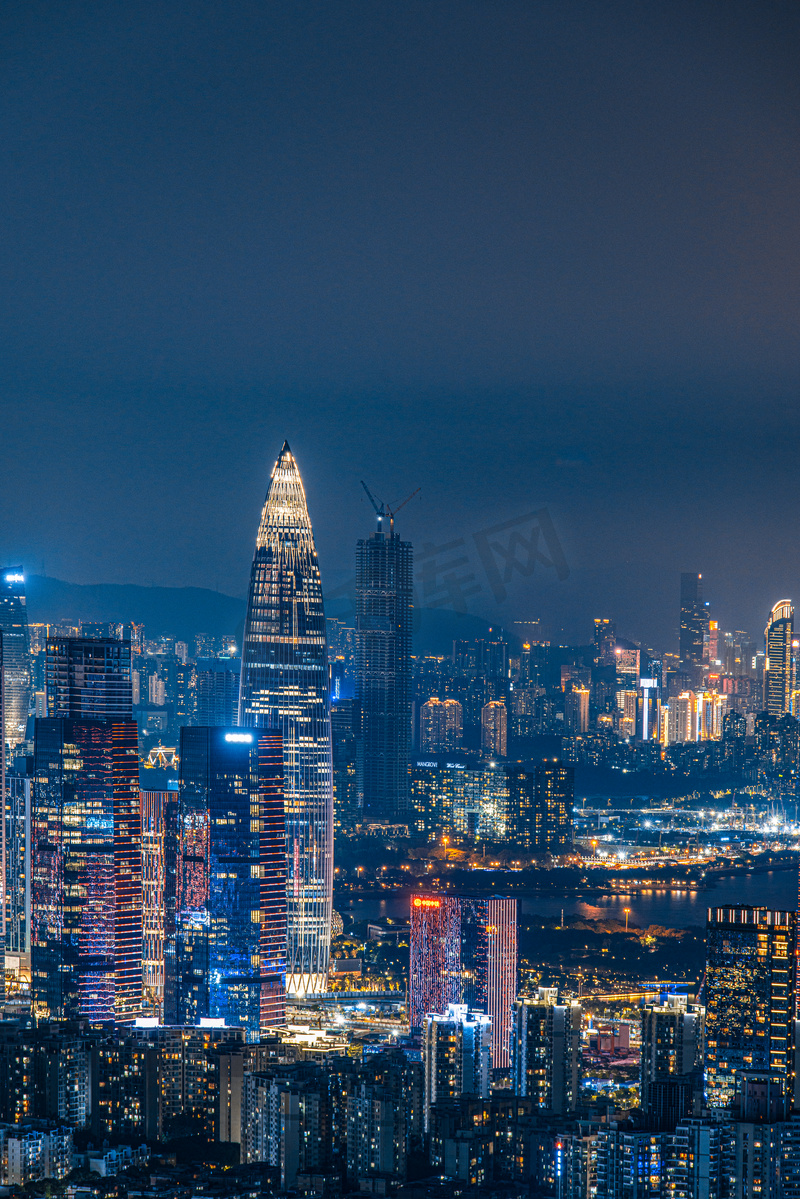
[519,255]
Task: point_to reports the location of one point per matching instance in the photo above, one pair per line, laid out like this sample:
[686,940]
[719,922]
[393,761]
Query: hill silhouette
[183,611]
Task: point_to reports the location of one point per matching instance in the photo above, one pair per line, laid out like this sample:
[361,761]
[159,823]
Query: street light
[627,914]
[445,842]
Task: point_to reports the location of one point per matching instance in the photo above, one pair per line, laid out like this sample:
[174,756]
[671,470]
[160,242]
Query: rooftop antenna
[383,510]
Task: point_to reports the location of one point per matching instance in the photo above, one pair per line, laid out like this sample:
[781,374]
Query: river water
[671,908]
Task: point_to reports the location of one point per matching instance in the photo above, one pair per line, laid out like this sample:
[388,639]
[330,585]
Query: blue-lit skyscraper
[228,961]
[16,661]
[284,686]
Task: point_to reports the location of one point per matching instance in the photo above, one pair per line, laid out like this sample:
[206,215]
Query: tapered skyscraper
[284,686]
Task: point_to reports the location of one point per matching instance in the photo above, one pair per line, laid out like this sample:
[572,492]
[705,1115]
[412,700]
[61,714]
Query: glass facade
[464,802]
[88,678]
[229,879]
[694,620]
[383,674]
[284,686]
[16,654]
[86,921]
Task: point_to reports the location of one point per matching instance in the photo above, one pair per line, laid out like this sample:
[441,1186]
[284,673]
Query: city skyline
[399,673]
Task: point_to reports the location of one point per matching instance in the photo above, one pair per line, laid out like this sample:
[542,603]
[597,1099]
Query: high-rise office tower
[284,686]
[159,814]
[605,640]
[343,740]
[750,995]
[384,573]
[229,959]
[456,1055]
[694,622]
[546,1050]
[494,729]
[714,642]
[464,950]
[17,683]
[671,1061]
[86,918]
[18,872]
[627,660]
[604,664]
[555,798]
[647,710]
[88,678]
[779,666]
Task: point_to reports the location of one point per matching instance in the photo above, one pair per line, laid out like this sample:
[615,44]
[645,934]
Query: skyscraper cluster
[164,923]
[204,901]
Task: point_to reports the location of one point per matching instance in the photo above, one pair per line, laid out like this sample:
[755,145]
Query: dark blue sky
[513,253]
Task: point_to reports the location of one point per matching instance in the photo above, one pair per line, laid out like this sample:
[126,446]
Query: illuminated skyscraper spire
[285,686]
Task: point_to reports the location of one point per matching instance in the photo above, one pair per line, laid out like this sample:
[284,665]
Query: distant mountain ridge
[178,611]
[183,611]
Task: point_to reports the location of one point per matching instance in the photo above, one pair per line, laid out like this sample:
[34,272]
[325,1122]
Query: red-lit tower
[464,950]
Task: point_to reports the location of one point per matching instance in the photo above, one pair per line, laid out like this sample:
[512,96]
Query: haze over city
[399,667]
[540,255]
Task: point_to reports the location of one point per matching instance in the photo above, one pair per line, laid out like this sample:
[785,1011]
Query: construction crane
[383,510]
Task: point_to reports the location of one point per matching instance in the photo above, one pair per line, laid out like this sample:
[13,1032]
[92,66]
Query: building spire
[285,511]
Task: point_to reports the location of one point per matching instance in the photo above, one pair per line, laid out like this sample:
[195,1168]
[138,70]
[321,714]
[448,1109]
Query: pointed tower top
[285,509]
